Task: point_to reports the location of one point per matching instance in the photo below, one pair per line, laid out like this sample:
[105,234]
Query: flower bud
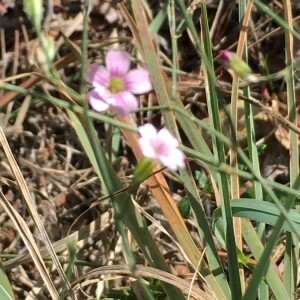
[141,173]
[34,10]
[236,64]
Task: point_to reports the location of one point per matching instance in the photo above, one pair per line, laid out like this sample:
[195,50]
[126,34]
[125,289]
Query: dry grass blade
[291,251]
[30,244]
[235,191]
[282,120]
[86,232]
[31,209]
[147,272]
[34,79]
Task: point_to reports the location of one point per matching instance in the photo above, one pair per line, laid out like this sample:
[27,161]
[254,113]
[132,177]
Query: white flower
[161,146]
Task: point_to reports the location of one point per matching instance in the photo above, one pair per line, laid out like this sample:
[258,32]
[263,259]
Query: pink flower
[115,86]
[161,146]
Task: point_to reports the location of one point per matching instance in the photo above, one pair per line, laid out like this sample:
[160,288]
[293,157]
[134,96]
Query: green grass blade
[88,149]
[263,292]
[256,247]
[6,292]
[112,142]
[159,19]
[263,264]
[267,184]
[261,211]
[213,108]
[276,18]
[292,240]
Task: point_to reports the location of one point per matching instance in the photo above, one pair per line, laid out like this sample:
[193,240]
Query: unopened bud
[236,64]
[141,173]
[34,10]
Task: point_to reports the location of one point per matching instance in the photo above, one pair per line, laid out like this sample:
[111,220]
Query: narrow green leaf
[264,262]
[88,149]
[213,102]
[256,247]
[291,256]
[159,19]
[261,211]
[276,18]
[6,292]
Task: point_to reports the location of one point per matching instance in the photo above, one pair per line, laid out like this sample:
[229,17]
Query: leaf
[260,211]
[4,294]
[6,291]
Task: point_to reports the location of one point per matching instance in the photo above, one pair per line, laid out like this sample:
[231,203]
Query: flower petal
[100,98]
[125,103]
[97,103]
[98,75]
[165,135]
[148,130]
[147,148]
[137,81]
[174,160]
[117,63]
[148,135]
[105,95]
